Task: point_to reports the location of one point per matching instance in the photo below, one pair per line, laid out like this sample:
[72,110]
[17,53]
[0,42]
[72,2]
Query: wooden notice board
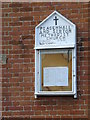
[55,56]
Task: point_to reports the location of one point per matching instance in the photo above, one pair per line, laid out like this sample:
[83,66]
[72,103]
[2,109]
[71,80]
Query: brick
[14,108]
[77,112]
[26,9]
[6,19]
[15,10]
[6,10]
[15,14]
[6,28]
[41,4]
[4,5]
[29,18]
[15,24]
[39,13]
[15,4]
[39,108]
[7,103]
[15,20]
[27,37]
[25,85]
[7,114]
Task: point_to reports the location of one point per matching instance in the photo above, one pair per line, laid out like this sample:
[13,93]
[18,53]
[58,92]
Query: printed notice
[55,76]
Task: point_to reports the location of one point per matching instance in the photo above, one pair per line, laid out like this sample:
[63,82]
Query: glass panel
[56,59]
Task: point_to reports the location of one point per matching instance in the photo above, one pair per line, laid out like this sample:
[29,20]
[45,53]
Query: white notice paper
[55,76]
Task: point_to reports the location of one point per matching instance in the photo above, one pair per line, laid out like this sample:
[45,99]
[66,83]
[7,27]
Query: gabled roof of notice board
[57,13]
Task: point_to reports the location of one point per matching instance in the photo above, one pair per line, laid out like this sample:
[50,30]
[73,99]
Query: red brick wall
[19,21]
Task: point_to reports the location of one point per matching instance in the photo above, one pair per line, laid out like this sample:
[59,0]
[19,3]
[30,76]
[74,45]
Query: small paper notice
[55,76]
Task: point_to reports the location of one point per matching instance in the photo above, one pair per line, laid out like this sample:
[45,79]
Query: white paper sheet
[55,76]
